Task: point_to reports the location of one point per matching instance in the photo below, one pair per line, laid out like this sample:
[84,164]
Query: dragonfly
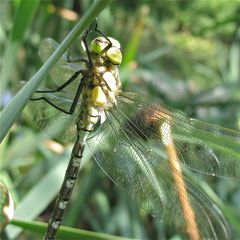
[143,146]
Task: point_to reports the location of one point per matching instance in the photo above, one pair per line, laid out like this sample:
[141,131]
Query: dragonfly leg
[105,36]
[76,98]
[84,40]
[70,80]
[50,103]
[75,60]
[74,103]
[97,30]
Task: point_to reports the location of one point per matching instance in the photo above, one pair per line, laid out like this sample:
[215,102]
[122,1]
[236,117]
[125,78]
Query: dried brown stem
[188,211]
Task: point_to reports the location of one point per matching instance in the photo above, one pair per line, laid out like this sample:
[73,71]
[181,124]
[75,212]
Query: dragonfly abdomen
[67,188]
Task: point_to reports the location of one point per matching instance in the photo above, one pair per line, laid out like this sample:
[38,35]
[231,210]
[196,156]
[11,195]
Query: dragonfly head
[108,48]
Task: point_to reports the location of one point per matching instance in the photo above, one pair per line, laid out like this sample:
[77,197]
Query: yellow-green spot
[98,97]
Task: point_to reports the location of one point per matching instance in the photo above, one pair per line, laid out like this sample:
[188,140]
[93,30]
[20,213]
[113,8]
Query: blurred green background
[185,53]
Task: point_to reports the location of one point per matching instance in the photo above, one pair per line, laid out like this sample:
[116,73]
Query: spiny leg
[74,103]
[84,40]
[75,60]
[103,34]
[58,89]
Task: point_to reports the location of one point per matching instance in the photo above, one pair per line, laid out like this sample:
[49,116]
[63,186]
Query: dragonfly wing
[52,121]
[121,151]
[63,69]
[202,147]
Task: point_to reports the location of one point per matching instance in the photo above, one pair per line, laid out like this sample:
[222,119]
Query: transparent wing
[43,114]
[132,151]
[52,121]
[202,147]
[63,69]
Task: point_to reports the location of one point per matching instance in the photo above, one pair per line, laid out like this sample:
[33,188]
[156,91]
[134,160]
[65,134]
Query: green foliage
[65,232]
[184,52]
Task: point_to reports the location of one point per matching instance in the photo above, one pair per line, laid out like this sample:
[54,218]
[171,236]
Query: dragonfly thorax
[103,83]
[106,84]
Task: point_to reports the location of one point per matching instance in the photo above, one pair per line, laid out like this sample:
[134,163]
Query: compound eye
[114,55]
[98,44]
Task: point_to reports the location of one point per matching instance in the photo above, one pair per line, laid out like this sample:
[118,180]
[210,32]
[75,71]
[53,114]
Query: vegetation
[185,53]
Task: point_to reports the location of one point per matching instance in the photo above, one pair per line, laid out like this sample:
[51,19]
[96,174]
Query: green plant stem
[65,232]
[11,112]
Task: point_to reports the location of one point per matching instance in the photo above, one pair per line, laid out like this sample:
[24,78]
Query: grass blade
[66,232]
[23,20]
